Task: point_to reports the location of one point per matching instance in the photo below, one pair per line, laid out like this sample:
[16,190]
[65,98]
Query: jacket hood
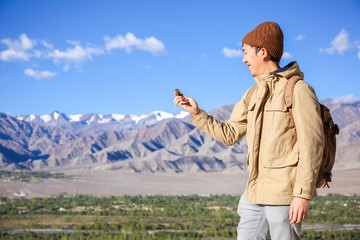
[289,70]
[286,72]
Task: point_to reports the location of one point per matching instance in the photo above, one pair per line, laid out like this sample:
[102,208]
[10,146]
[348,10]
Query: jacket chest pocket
[278,135]
[277,116]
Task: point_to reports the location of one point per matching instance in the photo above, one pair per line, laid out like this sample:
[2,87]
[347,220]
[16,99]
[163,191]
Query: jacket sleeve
[310,138]
[228,132]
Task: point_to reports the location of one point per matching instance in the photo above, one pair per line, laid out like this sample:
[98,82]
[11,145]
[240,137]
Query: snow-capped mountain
[166,143]
[98,122]
[52,119]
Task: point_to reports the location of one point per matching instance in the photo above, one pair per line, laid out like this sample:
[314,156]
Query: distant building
[21,194]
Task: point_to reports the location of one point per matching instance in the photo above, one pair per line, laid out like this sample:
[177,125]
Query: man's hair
[257,49]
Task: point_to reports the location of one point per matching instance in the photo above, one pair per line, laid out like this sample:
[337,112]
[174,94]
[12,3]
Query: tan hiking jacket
[283,161]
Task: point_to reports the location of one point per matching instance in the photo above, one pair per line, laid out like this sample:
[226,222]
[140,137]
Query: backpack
[330,131]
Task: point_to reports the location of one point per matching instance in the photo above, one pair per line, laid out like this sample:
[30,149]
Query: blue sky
[127,57]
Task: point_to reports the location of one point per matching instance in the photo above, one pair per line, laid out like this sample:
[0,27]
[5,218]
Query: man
[284,152]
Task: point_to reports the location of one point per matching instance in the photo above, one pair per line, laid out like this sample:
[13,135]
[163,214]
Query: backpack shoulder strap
[249,95]
[289,90]
[289,93]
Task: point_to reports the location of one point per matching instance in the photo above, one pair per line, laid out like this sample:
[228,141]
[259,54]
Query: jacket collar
[286,72]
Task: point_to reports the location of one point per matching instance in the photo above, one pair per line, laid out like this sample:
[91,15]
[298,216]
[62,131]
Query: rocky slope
[167,145]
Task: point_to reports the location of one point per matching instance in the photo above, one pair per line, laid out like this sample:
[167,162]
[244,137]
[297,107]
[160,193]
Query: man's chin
[252,72]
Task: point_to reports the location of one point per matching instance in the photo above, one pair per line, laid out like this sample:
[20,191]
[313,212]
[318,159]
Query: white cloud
[26,49]
[340,44]
[300,37]
[39,74]
[66,67]
[75,55]
[232,53]
[286,55]
[18,49]
[48,45]
[358,52]
[130,41]
[73,42]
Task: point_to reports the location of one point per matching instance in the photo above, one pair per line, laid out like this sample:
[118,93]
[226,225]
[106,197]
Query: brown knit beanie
[267,35]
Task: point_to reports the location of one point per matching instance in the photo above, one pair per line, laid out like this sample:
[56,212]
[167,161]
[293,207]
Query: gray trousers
[256,221]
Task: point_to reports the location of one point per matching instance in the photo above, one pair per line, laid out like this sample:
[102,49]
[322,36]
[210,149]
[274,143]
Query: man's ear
[264,54]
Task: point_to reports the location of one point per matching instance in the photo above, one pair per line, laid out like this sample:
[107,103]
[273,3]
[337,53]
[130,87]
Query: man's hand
[299,210]
[190,105]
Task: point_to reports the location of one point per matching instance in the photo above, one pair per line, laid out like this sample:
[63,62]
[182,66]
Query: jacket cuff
[199,120]
[304,193]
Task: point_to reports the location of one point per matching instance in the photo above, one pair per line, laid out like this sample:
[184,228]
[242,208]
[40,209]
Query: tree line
[156,217]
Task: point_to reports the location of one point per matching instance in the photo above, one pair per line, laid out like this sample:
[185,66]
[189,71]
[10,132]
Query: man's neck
[272,67]
[269,67]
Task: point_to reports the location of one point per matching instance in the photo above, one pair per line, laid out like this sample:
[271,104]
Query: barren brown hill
[169,147]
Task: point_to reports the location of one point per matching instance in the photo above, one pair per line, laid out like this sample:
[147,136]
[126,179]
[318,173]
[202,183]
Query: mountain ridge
[166,145]
[95,123]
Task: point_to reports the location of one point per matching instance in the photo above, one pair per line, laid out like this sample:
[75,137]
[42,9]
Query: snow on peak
[75,118]
[31,118]
[91,120]
[19,117]
[152,118]
[182,114]
[56,115]
[137,118]
[162,115]
[118,117]
[46,118]
[345,99]
[104,119]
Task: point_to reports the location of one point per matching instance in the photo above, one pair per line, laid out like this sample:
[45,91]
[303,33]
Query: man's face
[252,59]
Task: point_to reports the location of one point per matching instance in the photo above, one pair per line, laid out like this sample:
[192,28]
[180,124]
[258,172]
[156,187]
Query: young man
[284,155]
